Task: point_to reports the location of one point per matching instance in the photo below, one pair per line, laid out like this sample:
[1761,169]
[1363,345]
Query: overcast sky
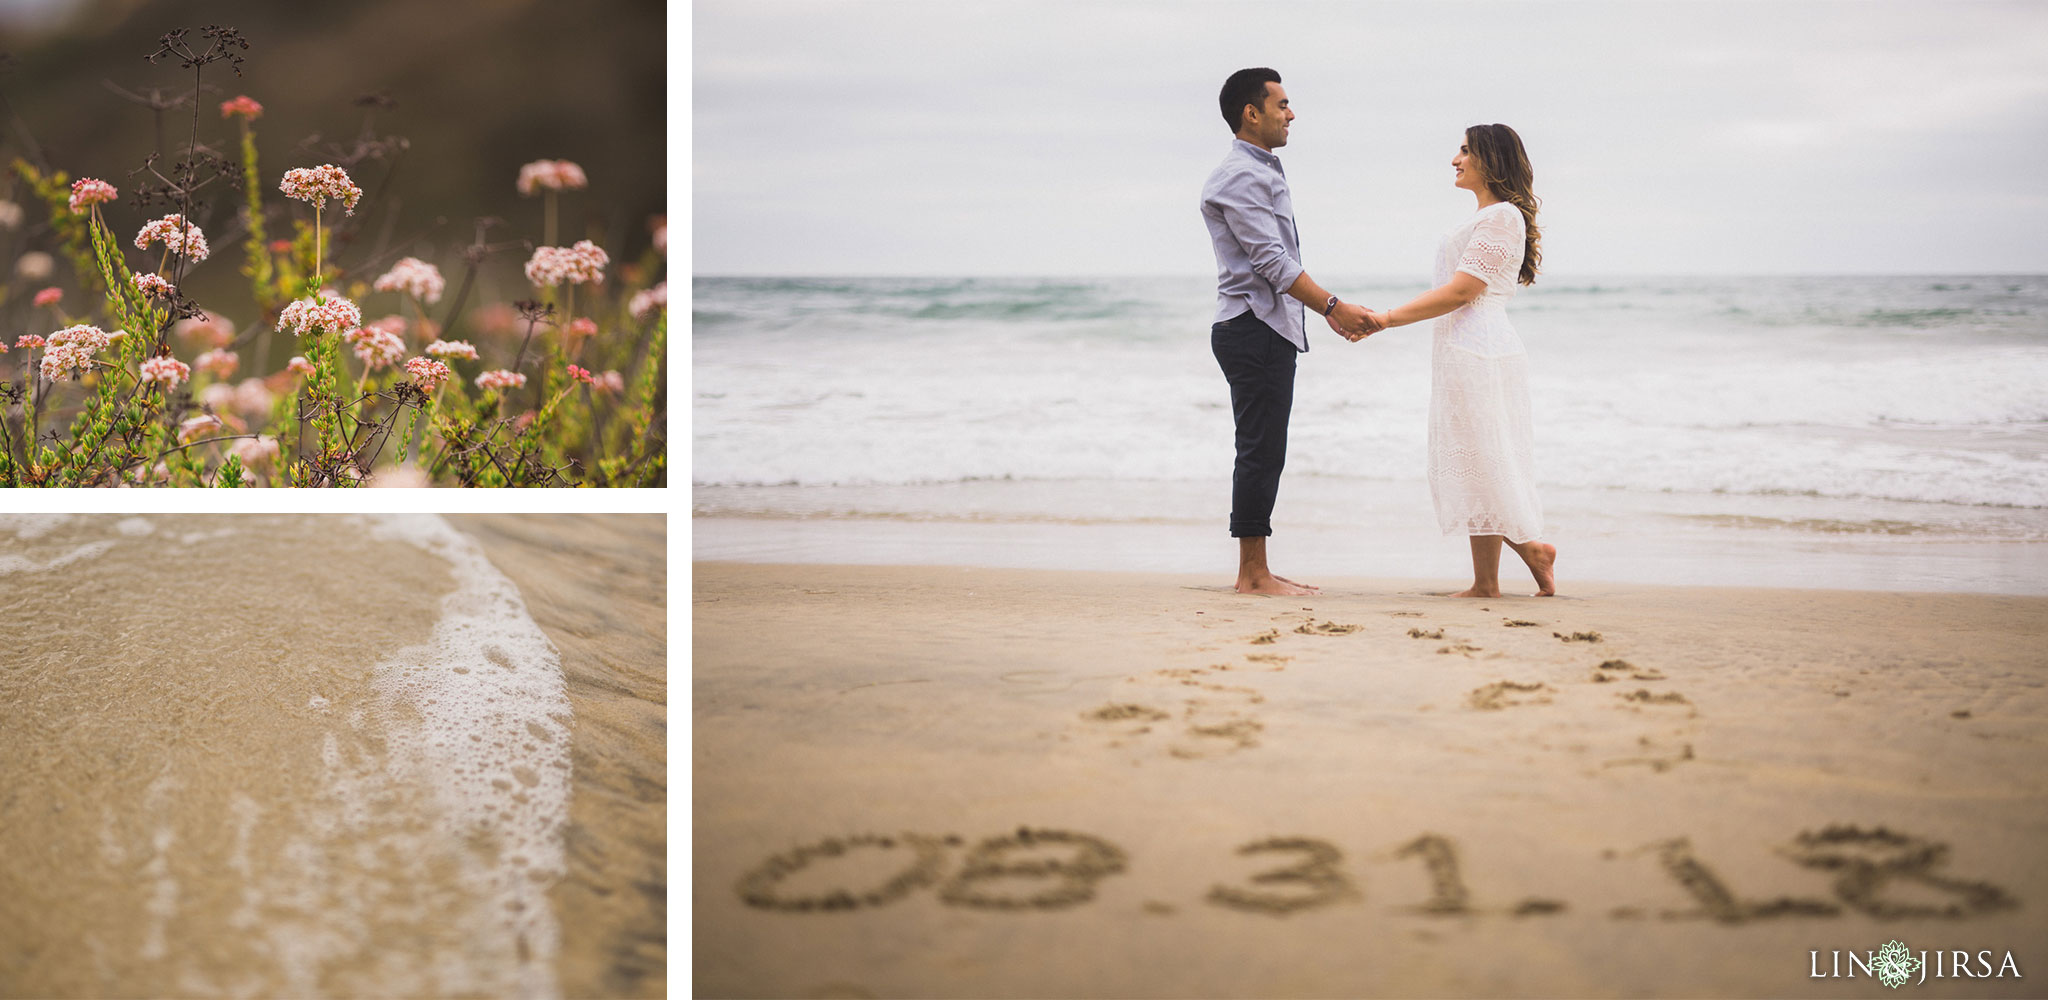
[1037,138]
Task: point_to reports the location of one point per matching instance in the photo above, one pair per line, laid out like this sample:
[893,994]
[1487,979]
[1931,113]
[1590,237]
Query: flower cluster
[414,277]
[580,375]
[255,451]
[92,338]
[27,342]
[335,315]
[611,382]
[377,345]
[317,184]
[154,286]
[60,358]
[87,191]
[205,330]
[579,329]
[581,264]
[165,371]
[49,297]
[550,175]
[645,303]
[220,362]
[244,105]
[176,235]
[500,379]
[428,372]
[298,365]
[452,349]
[194,428]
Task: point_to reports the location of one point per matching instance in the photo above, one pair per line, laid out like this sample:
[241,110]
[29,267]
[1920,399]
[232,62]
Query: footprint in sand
[1502,694]
[1407,614]
[1416,633]
[1327,628]
[1646,697]
[1266,638]
[1612,670]
[1579,636]
[1656,763]
[1209,726]
[1460,646]
[1519,623]
[1277,661]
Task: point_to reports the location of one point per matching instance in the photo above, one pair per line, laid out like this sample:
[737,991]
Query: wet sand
[598,586]
[171,826]
[918,781]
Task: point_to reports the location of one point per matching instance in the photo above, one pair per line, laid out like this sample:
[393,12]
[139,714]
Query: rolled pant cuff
[1251,529]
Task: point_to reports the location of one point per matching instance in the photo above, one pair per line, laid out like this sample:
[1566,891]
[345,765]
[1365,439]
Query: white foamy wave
[10,564]
[30,526]
[491,742]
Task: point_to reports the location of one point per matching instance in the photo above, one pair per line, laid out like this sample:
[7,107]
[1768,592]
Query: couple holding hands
[1481,471]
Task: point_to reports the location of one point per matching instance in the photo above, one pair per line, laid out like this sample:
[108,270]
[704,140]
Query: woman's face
[1470,174]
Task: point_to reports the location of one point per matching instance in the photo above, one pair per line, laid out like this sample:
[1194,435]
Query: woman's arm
[1448,297]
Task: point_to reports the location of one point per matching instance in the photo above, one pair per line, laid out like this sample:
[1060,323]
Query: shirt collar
[1264,156]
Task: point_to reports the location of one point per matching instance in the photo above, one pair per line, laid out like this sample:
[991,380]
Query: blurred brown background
[480,87]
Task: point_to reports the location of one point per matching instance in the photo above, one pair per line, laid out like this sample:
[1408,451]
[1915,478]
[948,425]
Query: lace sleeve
[1494,254]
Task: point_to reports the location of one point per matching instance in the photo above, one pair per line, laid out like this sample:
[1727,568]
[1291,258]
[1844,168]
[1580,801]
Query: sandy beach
[240,758]
[915,781]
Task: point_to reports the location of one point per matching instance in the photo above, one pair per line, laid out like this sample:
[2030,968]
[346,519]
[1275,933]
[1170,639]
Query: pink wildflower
[92,338]
[256,451]
[243,105]
[580,328]
[35,265]
[428,372]
[378,347]
[660,223]
[500,379]
[87,191]
[3,347]
[179,238]
[580,375]
[581,264]
[218,397]
[220,362]
[61,358]
[280,246]
[253,397]
[317,184]
[49,296]
[611,382]
[28,341]
[414,277]
[196,427]
[452,349]
[166,371]
[299,366]
[550,175]
[645,303]
[335,315]
[205,330]
[154,286]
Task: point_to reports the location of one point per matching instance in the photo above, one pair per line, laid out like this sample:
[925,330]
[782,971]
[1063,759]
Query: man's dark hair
[1246,86]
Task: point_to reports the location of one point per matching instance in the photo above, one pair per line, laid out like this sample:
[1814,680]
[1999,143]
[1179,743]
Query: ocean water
[1828,431]
[274,756]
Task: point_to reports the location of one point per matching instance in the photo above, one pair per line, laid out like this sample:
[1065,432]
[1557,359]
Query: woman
[1481,473]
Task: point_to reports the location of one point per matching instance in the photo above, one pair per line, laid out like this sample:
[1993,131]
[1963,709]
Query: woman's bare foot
[1310,587]
[1542,561]
[1477,591]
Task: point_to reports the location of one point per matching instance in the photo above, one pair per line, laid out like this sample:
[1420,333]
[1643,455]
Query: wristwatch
[1330,305]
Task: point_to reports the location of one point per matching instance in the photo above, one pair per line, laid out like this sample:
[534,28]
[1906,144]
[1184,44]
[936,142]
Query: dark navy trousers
[1259,364]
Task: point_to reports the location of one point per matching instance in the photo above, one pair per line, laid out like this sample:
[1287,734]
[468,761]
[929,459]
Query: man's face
[1268,127]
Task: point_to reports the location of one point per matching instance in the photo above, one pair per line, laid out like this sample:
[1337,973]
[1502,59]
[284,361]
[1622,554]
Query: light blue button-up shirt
[1258,252]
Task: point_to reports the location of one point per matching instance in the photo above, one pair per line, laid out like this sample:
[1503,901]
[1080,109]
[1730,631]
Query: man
[1258,331]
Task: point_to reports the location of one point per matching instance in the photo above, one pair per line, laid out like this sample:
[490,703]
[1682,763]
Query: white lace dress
[1482,473]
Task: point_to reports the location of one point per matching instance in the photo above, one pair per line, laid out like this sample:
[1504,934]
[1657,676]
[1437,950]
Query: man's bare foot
[1273,586]
[1542,560]
[1478,592]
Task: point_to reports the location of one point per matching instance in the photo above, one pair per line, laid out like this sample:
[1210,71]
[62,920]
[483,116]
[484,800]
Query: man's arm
[1258,232]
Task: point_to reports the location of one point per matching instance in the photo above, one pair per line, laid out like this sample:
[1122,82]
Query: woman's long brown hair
[1511,179]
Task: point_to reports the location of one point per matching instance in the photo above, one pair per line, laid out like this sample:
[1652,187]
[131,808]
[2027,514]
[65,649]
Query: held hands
[1354,322]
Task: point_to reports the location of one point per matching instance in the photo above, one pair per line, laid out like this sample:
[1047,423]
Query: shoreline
[1003,782]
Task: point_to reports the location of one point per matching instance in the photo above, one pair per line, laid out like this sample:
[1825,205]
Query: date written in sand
[1876,871]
